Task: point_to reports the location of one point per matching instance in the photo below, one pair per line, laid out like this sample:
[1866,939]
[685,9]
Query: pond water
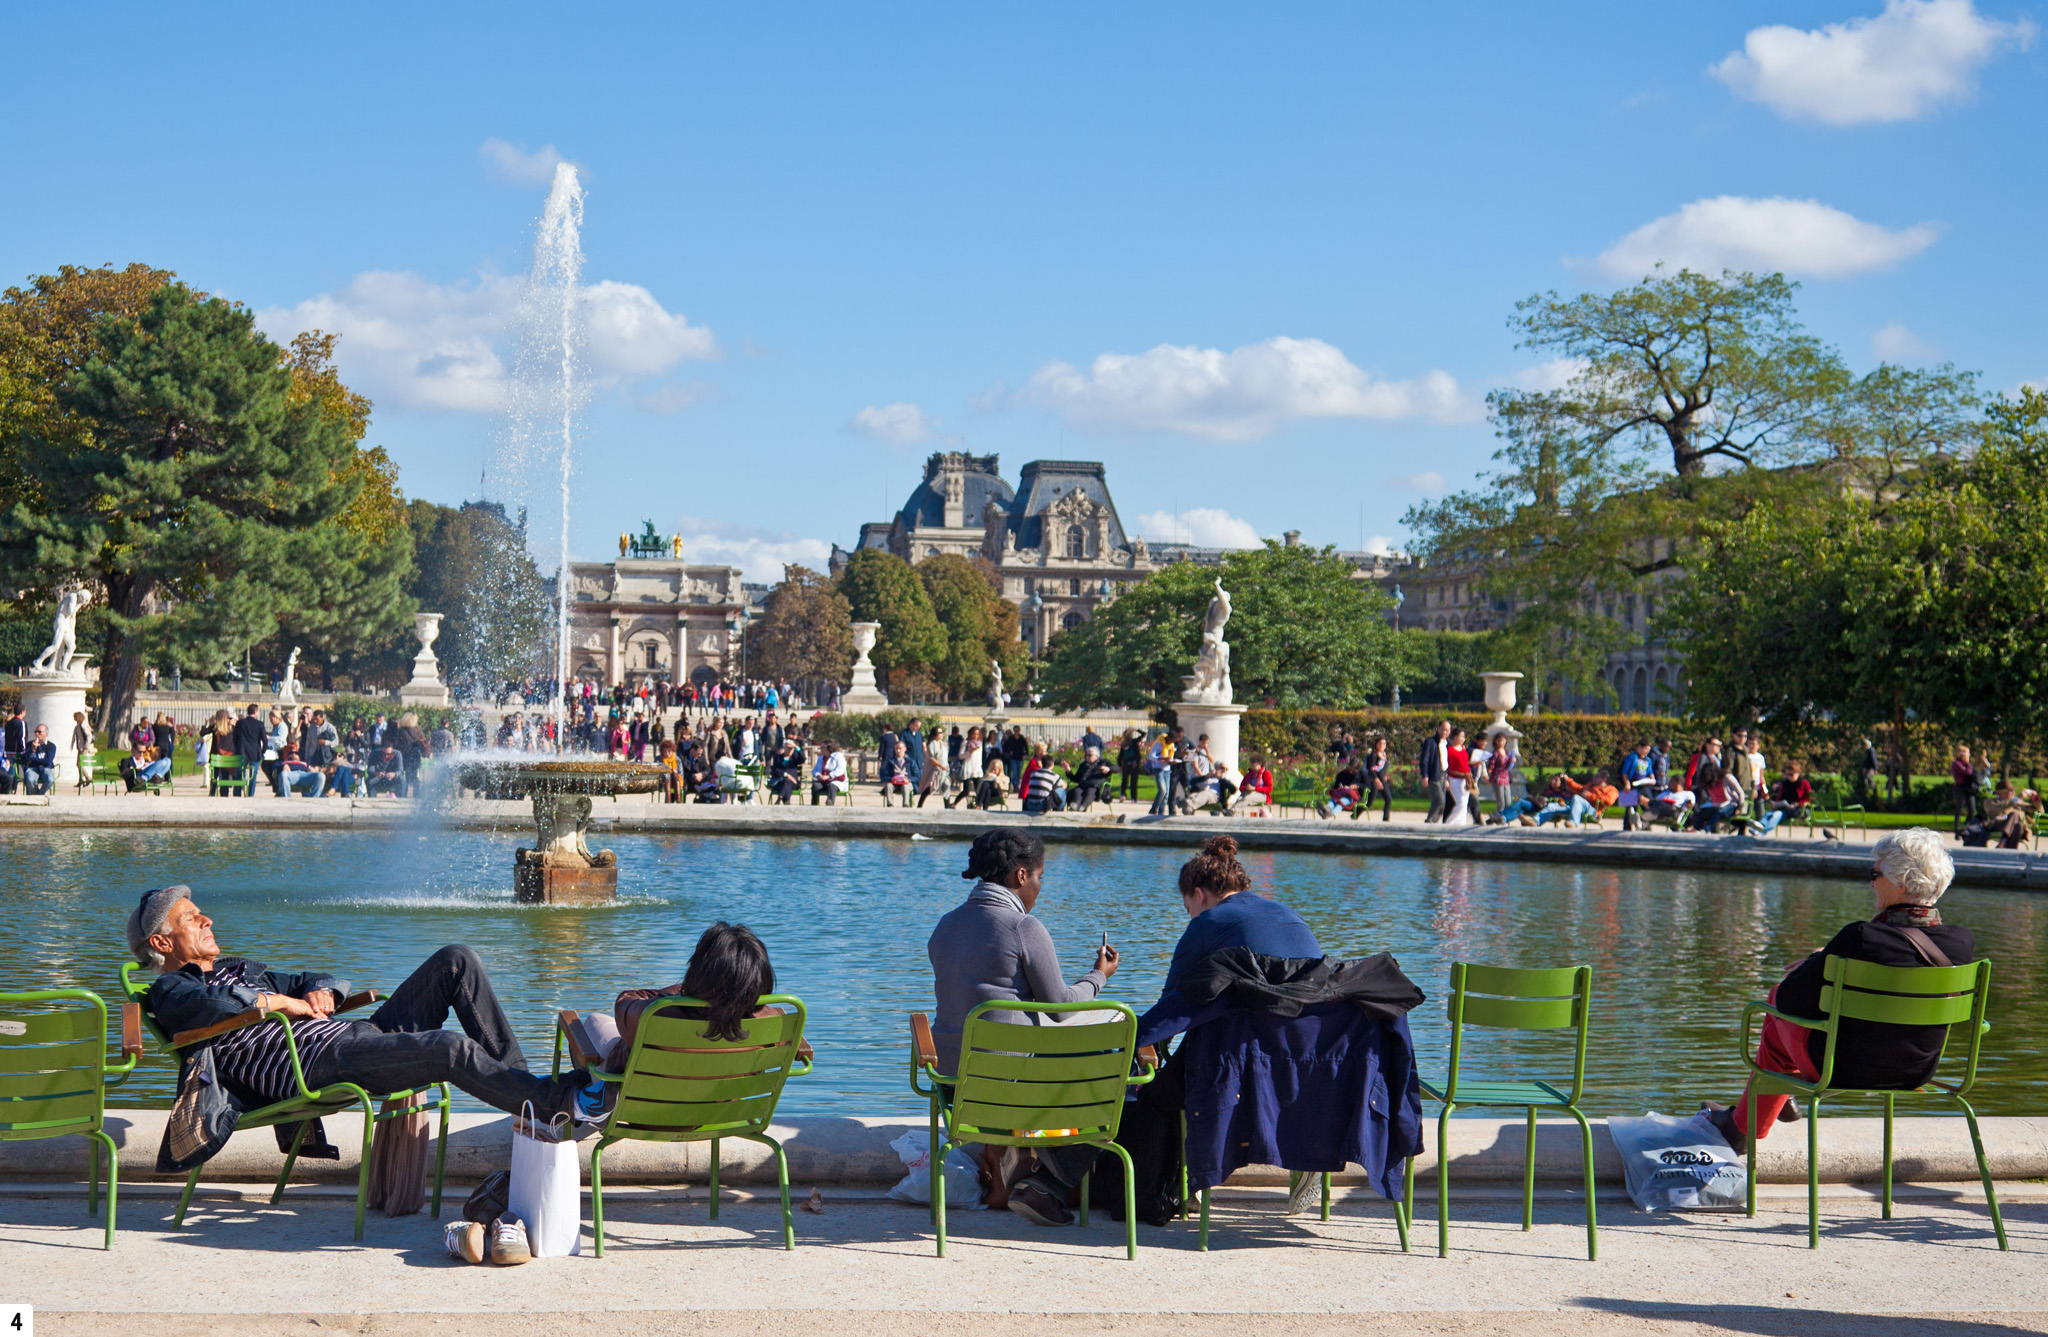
[1674,955]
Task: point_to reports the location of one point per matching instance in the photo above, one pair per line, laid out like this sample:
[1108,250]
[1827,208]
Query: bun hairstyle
[996,855]
[1215,870]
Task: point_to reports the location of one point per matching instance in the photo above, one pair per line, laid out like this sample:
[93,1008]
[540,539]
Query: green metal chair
[681,1085]
[54,1076]
[308,1104]
[227,774]
[1056,1085]
[1900,996]
[1502,998]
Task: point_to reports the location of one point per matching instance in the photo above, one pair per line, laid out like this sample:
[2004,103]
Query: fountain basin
[561,868]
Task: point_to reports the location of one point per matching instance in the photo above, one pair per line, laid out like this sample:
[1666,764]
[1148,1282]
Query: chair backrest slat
[1513,999]
[1891,1010]
[1510,982]
[1925,981]
[1898,995]
[682,1085]
[1521,1014]
[1065,1080]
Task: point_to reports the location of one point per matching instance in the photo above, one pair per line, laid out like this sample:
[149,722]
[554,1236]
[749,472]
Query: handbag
[202,1118]
[398,1158]
[546,1192]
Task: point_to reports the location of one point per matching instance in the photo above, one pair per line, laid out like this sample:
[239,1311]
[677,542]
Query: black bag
[1150,1135]
[1976,835]
[490,1199]
[202,1119]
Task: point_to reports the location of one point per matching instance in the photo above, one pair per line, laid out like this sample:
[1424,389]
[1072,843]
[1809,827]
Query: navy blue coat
[1330,1087]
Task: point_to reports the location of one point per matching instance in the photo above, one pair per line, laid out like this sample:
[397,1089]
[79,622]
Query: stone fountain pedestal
[426,687]
[564,870]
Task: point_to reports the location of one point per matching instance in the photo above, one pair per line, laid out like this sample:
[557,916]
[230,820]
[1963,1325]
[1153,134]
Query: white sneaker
[508,1242]
[464,1240]
[1307,1190]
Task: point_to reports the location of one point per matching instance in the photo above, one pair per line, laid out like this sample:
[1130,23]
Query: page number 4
[17,1321]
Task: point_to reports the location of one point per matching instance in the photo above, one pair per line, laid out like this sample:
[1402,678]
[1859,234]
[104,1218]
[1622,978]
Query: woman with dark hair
[728,973]
[1379,780]
[990,949]
[1212,887]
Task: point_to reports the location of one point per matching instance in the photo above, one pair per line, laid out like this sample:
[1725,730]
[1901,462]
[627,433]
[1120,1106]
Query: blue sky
[1260,260]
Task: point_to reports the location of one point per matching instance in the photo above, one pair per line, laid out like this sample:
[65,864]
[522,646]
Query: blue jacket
[1305,1065]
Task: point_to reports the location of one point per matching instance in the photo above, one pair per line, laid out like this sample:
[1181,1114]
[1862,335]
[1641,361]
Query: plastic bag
[963,1177]
[1676,1164]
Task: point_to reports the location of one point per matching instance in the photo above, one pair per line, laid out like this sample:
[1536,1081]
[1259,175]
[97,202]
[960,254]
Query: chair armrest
[924,1049]
[131,1031]
[1810,1023]
[1148,1055]
[1148,1059]
[253,1015]
[356,1000]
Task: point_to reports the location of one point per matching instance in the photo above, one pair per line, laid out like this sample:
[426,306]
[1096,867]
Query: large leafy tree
[804,635]
[880,587]
[190,486]
[1302,632]
[980,624]
[1866,607]
[1683,403]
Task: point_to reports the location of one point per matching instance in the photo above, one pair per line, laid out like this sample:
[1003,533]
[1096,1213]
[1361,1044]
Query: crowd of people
[298,751]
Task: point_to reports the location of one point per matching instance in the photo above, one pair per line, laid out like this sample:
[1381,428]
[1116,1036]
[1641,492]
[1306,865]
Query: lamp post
[1399,599]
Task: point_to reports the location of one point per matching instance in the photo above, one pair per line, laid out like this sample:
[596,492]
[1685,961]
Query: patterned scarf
[1904,915]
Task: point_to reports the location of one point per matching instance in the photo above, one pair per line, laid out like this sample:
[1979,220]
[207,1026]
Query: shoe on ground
[1306,1194]
[465,1240]
[508,1242]
[1723,1120]
[1035,1204]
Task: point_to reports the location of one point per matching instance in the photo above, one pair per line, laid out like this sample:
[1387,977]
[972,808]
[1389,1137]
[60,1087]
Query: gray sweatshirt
[990,948]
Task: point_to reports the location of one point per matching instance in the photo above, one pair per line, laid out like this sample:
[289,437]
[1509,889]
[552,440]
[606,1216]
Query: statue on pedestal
[995,689]
[55,660]
[288,688]
[1210,683]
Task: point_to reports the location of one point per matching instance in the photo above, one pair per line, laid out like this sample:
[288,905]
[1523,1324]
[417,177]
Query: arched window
[1639,699]
[1072,620]
[1077,541]
[931,552]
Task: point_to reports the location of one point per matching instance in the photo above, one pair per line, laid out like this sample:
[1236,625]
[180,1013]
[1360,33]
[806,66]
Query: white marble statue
[55,660]
[995,687]
[1211,684]
[288,686]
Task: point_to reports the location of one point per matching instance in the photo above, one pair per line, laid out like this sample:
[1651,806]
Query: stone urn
[863,697]
[1500,691]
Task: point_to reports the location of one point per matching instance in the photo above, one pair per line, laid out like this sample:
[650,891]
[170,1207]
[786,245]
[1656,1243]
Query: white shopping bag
[1678,1164]
[546,1193]
[963,1176]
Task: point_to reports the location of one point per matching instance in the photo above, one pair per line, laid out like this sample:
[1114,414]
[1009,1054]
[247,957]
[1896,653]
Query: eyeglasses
[1875,874]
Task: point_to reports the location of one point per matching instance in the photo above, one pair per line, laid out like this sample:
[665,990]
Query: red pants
[1782,1048]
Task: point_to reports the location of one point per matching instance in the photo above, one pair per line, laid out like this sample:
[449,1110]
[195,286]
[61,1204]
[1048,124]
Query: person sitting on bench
[400,1047]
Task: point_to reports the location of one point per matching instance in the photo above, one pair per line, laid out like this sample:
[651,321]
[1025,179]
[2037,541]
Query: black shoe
[1037,1205]
[1723,1120]
[1791,1113]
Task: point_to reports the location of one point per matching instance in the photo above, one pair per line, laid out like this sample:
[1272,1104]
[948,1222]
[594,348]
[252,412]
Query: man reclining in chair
[400,1047]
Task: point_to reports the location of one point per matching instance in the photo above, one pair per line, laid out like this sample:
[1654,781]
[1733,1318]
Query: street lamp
[1399,599]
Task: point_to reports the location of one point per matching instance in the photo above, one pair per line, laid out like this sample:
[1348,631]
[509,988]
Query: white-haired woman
[1908,873]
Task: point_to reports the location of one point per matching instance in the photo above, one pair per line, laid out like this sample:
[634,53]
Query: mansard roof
[1045,482]
[982,485]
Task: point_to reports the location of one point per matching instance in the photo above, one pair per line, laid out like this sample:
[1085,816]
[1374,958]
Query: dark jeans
[1439,800]
[402,1046]
[1127,782]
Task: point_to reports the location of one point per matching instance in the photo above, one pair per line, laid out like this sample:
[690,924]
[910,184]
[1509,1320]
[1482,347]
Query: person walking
[1130,761]
[1434,764]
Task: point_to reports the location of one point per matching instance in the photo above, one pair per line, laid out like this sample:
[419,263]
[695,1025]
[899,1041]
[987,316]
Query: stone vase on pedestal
[426,687]
[863,697]
[1500,699]
[51,699]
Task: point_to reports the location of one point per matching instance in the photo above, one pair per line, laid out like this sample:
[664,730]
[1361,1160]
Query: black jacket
[1868,1053]
[252,739]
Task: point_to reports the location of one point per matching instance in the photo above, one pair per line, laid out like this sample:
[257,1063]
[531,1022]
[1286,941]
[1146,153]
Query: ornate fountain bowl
[561,869]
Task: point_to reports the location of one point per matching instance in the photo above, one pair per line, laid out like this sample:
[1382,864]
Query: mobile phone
[1105,937]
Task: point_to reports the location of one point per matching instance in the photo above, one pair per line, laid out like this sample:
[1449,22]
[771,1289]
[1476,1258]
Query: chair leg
[1750,1099]
[1889,1102]
[1084,1196]
[782,1184]
[1592,1210]
[113,1178]
[1405,1209]
[1443,1183]
[291,1159]
[597,1196]
[1130,1203]
[1326,1195]
[1529,1173]
[1983,1170]
[939,1192]
[1812,1175]
[1202,1236]
[441,1152]
[362,1175]
[714,1178]
[92,1185]
[185,1198]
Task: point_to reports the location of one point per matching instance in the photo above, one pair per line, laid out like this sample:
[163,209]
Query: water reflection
[1674,955]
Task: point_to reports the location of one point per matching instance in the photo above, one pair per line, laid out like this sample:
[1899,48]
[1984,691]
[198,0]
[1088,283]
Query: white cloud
[1429,480]
[409,342]
[1733,232]
[1203,526]
[1896,343]
[899,424]
[761,553]
[1240,395]
[1898,66]
[1379,545]
[1555,374]
[513,163]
